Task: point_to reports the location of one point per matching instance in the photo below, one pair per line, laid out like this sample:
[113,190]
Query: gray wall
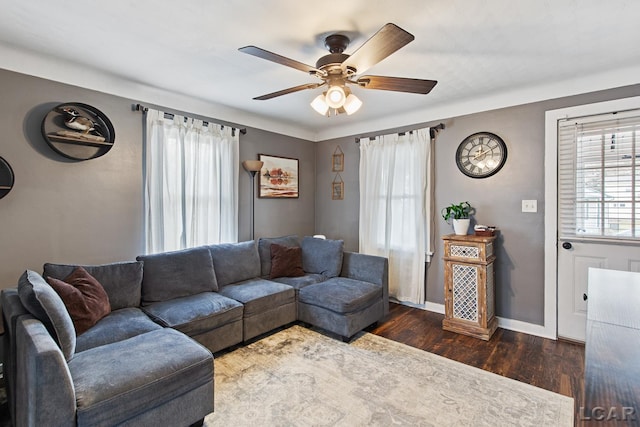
[91,211]
[338,219]
[520,248]
[60,210]
[278,217]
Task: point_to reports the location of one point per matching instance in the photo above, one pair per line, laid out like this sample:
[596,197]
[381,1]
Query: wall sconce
[252,166]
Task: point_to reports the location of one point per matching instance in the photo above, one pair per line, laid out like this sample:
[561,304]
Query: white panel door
[574,259]
[598,206]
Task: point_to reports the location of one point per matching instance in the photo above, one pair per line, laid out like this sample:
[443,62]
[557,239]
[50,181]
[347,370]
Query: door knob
[584,297]
[567,245]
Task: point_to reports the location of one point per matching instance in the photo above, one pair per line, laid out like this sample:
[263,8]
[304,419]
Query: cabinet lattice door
[469,285]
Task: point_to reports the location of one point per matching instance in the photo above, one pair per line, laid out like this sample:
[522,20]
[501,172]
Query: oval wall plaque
[78,131]
[6,178]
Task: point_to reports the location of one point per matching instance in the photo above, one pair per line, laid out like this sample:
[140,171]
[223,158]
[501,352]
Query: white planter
[461,226]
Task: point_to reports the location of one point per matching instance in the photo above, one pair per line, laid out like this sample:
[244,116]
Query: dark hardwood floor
[557,366]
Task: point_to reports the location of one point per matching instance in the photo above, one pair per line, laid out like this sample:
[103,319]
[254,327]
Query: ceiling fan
[337,70]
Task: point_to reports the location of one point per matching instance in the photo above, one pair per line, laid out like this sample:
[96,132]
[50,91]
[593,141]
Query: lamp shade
[252,165]
[339,98]
[352,104]
[335,97]
[319,105]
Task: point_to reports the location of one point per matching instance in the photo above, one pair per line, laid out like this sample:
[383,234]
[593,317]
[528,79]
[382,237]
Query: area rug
[299,377]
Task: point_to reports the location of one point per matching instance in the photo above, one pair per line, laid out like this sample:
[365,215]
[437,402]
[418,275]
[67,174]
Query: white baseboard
[427,306]
[504,323]
[525,327]
[435,307]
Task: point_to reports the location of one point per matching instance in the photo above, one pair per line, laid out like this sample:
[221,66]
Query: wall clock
[481,155]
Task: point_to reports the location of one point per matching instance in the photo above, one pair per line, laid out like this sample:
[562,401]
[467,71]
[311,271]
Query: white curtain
[394,208]
[191,183]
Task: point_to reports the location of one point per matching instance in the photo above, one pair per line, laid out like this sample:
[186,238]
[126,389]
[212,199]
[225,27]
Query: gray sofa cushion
[196,314]
[235,262]
[119,325]
[322,256]
[341,295]
[122,281]
[177,274]
[117,382]
[46,305]
[259,296]
[298,283]
[264,249]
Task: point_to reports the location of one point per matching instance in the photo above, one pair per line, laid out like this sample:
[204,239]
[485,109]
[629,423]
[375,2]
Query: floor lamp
[252,166]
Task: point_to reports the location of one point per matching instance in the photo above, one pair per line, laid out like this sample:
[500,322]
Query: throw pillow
[264,250]
[286,261]
[322,256]
[85,298]
[46,306]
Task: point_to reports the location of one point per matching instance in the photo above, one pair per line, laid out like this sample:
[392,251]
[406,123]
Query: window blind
[599,176]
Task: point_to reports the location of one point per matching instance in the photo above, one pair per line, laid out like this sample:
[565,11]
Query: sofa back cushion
[176,274]
[322,256]
[122,281]
[235,262]
[264,249]
[46,305]
[84,297]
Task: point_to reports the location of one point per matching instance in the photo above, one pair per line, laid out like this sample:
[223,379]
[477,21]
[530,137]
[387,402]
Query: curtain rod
[433,130]
[140,107]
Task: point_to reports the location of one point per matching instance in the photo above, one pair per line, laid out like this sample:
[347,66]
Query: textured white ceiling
[484,53]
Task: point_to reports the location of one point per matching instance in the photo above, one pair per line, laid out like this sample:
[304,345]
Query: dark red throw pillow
[286,261]
[84,297]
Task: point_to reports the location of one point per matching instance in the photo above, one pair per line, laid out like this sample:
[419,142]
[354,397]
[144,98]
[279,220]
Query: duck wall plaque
[6,178]
[78,131]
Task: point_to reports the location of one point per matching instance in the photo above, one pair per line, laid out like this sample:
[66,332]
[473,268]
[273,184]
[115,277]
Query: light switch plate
[529,206]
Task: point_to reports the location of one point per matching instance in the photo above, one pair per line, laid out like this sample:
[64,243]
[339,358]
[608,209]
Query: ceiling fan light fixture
[338,70]
[352,104]
[320,105]
[335,97]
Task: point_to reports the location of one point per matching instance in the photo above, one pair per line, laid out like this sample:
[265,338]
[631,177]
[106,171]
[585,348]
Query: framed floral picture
[278,177]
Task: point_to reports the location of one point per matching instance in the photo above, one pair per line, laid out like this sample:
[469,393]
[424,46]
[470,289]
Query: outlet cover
[529,206]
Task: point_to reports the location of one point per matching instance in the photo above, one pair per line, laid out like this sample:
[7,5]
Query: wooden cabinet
[469,285]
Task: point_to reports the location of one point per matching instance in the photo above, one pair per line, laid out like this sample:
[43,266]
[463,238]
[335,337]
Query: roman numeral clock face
[481,155]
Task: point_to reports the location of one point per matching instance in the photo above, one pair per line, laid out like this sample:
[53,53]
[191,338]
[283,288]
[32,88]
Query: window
[394,207]
[598,176]
[191,183]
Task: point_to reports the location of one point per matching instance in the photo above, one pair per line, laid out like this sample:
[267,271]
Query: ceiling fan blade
[279,59]
[397,84]
[288,91]
[387,40]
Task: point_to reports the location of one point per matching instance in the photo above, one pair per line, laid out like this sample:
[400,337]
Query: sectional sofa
[149,361]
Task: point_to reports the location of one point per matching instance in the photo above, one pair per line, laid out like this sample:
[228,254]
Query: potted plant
[458,215]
